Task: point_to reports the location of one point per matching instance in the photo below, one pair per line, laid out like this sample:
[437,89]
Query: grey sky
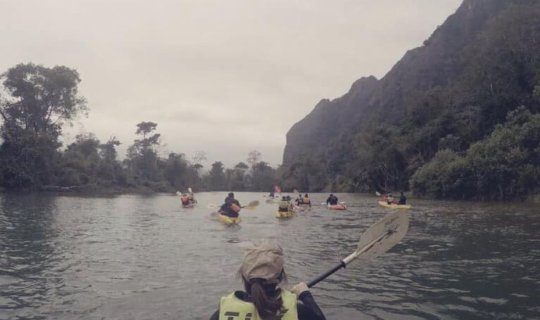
[219,76]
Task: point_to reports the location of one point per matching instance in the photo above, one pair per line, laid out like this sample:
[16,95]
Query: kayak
[284,214]
[228,220]
[339,206]
[190,205]
[301,208]
[394,205]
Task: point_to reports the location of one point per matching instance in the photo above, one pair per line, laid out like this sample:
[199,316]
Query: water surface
[144,257]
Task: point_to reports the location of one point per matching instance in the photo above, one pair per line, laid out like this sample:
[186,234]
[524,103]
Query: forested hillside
[457,118]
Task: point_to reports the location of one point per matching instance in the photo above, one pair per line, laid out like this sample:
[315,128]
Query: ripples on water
[136,257]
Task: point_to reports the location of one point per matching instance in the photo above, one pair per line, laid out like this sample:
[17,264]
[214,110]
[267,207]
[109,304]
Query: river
[145,257]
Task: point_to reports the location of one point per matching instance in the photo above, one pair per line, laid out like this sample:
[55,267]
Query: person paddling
[402,198]
[284,204]
[389,199]
[306,200]
[231,207]
[332,200]
[264,298]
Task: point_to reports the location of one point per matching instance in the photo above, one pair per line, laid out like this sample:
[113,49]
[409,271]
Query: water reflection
[29,253]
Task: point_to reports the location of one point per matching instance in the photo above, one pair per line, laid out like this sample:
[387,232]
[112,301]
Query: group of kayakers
[263,275]
[390,199]
[303,200]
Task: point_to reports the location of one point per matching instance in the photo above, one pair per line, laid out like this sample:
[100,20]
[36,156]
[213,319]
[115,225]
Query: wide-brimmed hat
[264,261]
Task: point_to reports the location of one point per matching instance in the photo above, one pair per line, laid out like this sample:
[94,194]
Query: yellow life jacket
[284,205]
[231,307]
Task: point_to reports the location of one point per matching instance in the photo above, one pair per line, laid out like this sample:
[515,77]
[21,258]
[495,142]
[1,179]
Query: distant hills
[456,118]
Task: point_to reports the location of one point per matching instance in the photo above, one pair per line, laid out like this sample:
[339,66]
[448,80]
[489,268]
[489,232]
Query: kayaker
[306,200]
[299,200]
[185,199]
[402,199]
[332,200]
[262,273]
[284,204]
[389,199]
[191,197]
[231,207]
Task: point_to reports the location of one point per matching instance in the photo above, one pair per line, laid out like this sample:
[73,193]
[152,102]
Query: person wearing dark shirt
[263,298]
[402,199]
[230,207]
[332,200]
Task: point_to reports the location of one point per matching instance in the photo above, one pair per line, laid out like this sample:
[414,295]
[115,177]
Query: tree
[253,157]
[110,171]
[80,161]
[142,156]
[262,176]
[39,101]
[176,171]
[236,177]
[198,158]
[216,177]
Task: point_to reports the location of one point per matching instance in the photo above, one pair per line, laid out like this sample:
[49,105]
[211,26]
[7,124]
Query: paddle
[375,241]
[252,205]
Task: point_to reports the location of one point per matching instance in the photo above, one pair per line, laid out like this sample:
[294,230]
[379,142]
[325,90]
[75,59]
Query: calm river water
[137,257]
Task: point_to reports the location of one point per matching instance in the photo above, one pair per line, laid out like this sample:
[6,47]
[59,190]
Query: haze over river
[144,257]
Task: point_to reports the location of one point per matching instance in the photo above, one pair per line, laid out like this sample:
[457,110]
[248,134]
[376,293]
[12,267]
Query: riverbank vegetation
[37,103]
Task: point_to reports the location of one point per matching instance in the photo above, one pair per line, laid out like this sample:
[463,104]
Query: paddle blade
[252,205]
[382,236]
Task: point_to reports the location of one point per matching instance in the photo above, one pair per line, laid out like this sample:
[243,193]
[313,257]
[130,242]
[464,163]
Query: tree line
[38,101]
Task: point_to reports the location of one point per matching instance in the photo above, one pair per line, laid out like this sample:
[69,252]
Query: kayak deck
[339,206]
[228,220]
[394,205]
[284,214]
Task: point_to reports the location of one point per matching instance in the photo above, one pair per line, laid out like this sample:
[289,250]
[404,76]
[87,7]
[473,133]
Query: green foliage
[308,174]
[39,101]
[501,167]
[215,180]
[442,120]
[262,177]
[142,159]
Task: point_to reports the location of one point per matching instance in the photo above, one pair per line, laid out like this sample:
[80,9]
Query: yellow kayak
[394,205]
[284,214]
[228,220]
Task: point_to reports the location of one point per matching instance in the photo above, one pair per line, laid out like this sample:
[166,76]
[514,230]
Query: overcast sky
[219,76]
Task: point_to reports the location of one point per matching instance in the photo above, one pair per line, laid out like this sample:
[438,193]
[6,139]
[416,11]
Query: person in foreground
[231,207]
[264,299]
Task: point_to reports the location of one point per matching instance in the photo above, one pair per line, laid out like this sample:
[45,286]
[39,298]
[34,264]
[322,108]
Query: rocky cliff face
[371,101]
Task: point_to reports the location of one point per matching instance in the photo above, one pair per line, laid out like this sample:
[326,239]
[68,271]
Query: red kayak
[339,206]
